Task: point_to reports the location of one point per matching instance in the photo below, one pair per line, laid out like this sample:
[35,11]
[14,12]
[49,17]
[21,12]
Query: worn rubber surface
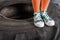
[4,3]
[15,25]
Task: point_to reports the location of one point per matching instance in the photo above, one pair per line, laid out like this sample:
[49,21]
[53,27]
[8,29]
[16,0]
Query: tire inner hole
[18,11]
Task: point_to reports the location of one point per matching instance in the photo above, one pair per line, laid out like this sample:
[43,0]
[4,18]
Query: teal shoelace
[37,18]
[46,17]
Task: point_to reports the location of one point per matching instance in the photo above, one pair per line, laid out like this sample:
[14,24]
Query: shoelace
[37,17]
[46,17]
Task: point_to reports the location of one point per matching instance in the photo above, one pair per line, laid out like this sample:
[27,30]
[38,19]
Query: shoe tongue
[37,13]
[44,13]
[37,16]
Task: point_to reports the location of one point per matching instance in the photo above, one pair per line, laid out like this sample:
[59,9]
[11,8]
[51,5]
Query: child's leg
[45,4]
[48,20]
[36,5]
[37,17]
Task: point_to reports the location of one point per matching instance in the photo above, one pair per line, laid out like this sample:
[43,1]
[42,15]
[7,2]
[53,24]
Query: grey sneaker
[38,20]
[48,20]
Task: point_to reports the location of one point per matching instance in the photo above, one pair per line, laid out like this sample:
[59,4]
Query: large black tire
[25,30]
[25,22]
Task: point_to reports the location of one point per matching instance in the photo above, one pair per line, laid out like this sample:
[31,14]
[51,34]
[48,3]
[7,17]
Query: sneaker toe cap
[39,24]
[51,23]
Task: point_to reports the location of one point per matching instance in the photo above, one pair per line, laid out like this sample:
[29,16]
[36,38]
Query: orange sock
[36,5]
[45,4]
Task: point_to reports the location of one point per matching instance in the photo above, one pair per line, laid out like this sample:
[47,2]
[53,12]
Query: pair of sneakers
[42,18]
